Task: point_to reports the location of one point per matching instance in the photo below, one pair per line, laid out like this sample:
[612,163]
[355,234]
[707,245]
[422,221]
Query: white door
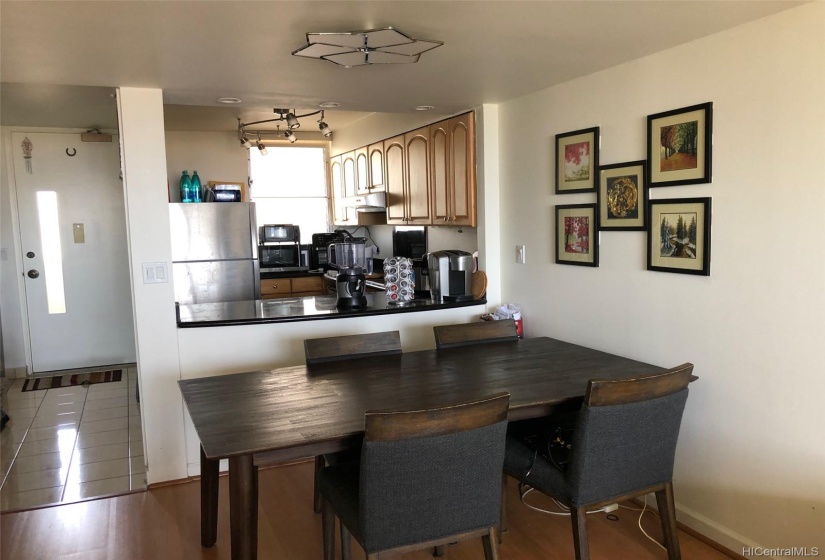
[73,236]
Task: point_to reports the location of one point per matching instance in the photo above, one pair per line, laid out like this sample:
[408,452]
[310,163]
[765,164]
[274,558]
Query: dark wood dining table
[303,411]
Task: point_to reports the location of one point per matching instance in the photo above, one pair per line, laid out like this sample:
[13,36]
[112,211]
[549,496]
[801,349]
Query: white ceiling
[197,51]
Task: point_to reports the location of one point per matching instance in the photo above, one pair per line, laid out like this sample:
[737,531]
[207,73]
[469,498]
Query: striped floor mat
[41,383]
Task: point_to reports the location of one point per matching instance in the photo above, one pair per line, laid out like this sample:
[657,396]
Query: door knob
[33,273]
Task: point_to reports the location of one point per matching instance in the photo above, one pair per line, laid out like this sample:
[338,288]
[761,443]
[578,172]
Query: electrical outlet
[520,254]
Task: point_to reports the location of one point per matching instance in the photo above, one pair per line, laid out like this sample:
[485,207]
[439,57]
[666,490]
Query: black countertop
[306,308]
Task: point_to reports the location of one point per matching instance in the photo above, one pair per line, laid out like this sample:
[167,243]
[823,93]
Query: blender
[350,285]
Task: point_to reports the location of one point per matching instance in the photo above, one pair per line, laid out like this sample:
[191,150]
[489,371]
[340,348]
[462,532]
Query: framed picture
[577,234]
[622,196]
[678,235]
[679,146]
[577,160]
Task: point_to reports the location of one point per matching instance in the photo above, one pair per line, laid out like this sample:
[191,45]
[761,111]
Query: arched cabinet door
[376,166]
[349,174]
[462,175]
[362,172]
[418,176]
[336,183]
[395,180]
[440,173]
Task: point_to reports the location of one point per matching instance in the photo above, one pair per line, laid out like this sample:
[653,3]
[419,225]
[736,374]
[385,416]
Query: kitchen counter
[307,308]
[293,274]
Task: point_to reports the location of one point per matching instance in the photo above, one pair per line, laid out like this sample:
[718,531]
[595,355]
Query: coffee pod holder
[399,280]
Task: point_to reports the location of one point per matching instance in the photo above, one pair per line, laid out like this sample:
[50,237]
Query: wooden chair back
[605,392]
[398,425]
[351,347]
[479,332]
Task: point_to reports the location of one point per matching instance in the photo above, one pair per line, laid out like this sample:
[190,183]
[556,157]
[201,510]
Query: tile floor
[69,444]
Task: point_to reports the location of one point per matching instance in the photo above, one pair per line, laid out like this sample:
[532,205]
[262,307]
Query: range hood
[373,202]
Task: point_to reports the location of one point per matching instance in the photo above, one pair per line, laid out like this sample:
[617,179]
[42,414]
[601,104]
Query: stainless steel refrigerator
[214,252]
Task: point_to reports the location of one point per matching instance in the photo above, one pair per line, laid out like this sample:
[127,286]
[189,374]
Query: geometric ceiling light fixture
[291,121]
[361,48]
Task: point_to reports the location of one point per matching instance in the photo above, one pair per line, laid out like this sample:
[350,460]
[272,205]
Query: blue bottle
[196,187]
[185,187]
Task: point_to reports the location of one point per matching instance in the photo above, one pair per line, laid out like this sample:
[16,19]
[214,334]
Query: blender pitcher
[350,284]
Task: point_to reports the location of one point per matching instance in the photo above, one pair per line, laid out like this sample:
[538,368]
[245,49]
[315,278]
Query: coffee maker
[451,275]
[350,284]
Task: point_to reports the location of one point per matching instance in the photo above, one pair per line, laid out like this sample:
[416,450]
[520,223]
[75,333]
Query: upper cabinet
[362,175]
[349,174]
[375,152]
[417,197]
[428,174]
[395,180]
[461,184]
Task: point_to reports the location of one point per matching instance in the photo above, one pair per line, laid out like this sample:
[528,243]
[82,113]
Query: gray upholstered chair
[334,349]
[623,445]
[411,488]
[479,332]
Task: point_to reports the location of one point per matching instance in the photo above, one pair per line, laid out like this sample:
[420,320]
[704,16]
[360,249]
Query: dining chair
[623,445]
[350,347]
[411,488]
[479,332]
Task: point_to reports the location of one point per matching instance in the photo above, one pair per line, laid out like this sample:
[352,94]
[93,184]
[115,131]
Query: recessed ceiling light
[329,104]
[423,108]
[228,100]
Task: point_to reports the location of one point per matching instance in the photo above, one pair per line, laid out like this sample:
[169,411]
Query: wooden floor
[164,524]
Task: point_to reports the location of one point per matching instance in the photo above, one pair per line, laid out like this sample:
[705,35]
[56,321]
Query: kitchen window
[288,186]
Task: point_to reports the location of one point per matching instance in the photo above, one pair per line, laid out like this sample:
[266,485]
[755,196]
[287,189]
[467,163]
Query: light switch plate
[155,273]
[520,254]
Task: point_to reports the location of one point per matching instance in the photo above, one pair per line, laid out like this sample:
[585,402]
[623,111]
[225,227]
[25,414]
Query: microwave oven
[283,257]
[279,233]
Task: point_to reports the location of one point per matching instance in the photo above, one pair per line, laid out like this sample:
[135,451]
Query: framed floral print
[577,234]
[622,196]
[577,161]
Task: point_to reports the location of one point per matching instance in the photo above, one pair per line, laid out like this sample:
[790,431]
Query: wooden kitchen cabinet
[341,215]
[395,180]
[348,177]
[375,153]
[273,288]
[362,172]
[452,178]
[417,162]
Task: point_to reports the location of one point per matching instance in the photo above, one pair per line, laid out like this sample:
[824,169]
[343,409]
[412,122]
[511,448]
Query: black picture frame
[669,163]
[622,196]
[583,249]
[583,177]
[666,250]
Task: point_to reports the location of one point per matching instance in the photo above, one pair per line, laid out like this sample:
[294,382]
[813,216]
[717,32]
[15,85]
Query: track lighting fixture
[261,146]
[324,127]
[291,121]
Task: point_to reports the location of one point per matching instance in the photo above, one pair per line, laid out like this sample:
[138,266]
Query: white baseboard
[716,532]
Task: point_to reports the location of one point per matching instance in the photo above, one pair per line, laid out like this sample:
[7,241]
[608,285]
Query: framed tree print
[577,234]
[577,161]
[678,235]
[679,146]
[622,196]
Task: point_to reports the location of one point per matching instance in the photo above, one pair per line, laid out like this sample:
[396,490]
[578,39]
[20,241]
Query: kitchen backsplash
[438,238]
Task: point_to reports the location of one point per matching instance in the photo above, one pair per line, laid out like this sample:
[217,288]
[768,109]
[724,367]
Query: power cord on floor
[524,489]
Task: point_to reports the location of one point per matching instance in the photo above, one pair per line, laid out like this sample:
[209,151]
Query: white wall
[751,457]
[217,156]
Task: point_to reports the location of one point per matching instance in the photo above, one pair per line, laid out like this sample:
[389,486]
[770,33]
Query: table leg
[243,507]
[209,500]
